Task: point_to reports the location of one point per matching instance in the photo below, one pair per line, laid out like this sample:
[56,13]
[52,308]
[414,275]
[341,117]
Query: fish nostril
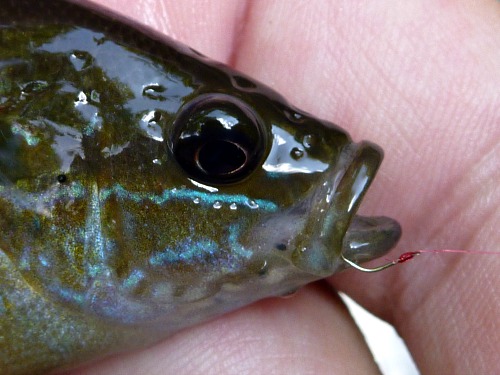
[62,178]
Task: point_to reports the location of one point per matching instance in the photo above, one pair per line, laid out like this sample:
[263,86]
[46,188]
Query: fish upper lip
[332,222]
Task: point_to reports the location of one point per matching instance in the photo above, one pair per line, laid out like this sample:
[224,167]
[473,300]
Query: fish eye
[218,139]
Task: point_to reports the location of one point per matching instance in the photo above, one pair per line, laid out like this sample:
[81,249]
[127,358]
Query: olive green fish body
[145,188]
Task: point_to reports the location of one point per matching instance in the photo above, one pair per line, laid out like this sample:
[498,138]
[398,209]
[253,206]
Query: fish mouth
[333,224]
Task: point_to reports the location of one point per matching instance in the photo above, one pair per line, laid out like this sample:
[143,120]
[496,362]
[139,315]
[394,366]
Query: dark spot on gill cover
[281,247]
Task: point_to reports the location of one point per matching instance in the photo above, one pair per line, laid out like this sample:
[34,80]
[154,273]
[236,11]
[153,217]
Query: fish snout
[332,227]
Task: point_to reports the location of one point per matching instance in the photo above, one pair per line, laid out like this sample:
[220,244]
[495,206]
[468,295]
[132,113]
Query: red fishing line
[411,254]
[405,257]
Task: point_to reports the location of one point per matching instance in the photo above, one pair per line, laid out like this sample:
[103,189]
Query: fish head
[308,171]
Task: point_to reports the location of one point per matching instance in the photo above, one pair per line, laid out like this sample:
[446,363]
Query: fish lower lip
[370,237]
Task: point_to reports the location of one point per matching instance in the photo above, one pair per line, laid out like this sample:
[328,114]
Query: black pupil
[220,157]
[218,141]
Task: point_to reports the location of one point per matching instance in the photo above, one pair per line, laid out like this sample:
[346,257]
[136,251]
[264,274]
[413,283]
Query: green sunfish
[145,188]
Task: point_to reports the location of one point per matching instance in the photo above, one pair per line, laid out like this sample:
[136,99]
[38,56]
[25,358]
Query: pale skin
[422,79]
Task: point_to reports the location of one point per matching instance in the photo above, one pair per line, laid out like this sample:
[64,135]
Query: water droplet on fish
[292,116]
[95,96]
[154,91]
[233,206]
[252,204]
[217,205]
[264,269]
[296,153]
[196,200]
[329,195]
[149,124]
[82,99]
[308,141]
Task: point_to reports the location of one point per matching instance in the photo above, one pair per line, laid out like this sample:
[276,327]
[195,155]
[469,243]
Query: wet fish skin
[108,240]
